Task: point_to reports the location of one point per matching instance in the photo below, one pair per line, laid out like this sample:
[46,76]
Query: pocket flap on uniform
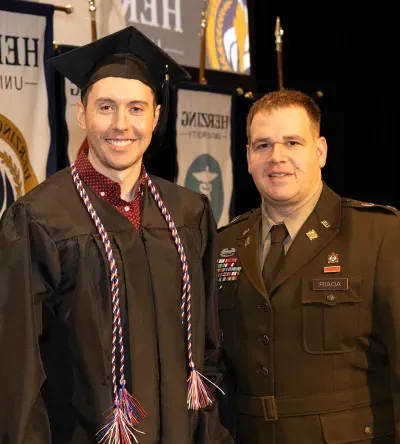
[358,424]
[309,295]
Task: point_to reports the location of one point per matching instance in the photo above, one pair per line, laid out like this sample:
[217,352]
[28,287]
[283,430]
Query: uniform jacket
[318,359]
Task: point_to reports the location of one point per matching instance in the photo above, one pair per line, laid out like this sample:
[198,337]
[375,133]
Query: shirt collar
[295,220]
[100,184]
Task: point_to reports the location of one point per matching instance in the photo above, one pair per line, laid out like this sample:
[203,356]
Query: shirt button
[102,194]
[126,208]
[368,431]
[330,297]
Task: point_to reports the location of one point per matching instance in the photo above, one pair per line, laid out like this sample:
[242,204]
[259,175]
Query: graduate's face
[119,119]
[285,156]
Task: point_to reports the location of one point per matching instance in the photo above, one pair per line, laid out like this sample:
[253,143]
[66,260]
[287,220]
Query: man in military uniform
[309,299]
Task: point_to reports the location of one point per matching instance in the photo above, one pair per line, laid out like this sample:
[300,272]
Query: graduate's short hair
[285,99]
[85,97]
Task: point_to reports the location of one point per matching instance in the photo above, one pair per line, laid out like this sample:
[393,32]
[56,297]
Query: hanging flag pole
[68,9]
[92,11]
[203,26]
[278,48]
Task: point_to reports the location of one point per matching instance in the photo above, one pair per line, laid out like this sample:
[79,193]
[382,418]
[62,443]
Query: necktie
[275,254]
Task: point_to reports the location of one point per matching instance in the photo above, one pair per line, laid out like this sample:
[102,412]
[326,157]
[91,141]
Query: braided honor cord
[127,411]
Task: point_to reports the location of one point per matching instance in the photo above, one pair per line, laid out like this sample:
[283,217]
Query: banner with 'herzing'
[203,139]
[26,153]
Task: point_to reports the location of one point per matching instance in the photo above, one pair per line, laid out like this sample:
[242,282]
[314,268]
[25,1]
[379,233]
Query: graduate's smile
[120,144]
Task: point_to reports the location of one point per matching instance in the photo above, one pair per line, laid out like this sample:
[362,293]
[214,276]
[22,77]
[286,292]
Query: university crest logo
[227,35]
[16,173]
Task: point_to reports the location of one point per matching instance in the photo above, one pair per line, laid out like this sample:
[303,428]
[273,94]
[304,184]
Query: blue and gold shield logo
[228,47]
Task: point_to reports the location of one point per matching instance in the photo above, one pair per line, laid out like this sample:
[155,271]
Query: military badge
[228,268]
[227,252]
[312,234]
[333,258]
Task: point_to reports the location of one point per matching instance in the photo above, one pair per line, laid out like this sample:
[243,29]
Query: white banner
[203,139]
[24,124]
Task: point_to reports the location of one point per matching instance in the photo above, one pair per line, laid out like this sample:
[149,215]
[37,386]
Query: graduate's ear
[80,115]
[156,116]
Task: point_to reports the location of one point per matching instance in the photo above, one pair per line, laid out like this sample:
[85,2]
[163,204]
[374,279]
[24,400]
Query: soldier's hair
[284,99]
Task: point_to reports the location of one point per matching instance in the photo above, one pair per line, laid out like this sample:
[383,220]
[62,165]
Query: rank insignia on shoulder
[369,205]
[236,219]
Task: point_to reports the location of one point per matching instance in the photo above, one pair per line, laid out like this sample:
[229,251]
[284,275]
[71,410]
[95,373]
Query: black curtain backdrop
[348,51]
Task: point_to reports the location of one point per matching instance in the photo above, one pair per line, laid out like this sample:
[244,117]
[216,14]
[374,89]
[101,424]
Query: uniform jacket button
[330,297]
[263,371]
[368,431]
[264,339]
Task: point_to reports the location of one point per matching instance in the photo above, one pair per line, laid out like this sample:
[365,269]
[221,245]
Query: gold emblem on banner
[21,174]
[223,15]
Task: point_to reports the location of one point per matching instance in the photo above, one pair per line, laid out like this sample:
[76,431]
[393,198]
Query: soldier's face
[285,156]
[119,120]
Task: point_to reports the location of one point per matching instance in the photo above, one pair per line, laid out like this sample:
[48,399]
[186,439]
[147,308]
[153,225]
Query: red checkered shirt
[110,191]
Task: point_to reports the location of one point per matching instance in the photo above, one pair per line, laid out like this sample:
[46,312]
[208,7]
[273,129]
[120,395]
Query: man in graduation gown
[309,295]
[92,266]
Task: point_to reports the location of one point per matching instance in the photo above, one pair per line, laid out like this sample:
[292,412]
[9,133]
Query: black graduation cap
[127,53]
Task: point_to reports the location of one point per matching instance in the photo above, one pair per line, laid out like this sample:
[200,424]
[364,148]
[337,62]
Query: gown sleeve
[29,271]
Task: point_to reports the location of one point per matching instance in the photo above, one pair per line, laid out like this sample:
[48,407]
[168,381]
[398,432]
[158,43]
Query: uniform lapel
[318,230]
[247,247]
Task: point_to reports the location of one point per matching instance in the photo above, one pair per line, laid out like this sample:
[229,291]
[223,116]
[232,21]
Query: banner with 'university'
[26,155]
[203,139]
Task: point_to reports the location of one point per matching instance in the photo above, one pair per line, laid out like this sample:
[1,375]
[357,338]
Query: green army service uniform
[317,360]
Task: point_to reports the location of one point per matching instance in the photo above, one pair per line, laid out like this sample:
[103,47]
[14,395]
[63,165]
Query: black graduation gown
[56,315]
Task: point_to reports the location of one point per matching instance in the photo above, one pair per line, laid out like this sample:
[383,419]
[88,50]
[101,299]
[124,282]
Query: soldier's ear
[248,158]
[322,151]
